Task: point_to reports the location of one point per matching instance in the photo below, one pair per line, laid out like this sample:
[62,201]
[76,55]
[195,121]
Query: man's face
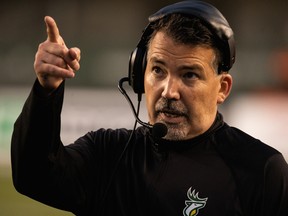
[181,86]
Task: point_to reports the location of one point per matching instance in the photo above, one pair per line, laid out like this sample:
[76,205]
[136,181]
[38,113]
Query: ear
[226,82]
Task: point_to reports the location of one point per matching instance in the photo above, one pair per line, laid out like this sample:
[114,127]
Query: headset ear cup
[137,66]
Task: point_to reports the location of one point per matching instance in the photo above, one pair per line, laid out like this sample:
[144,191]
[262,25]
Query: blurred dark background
[107,31]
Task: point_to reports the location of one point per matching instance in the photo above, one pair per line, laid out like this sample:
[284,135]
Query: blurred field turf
[13,203]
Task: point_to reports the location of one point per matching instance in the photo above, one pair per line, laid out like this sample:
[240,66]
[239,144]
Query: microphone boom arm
[122,90]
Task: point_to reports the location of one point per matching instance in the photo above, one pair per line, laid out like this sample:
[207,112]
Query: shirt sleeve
[275,187]
[35,149]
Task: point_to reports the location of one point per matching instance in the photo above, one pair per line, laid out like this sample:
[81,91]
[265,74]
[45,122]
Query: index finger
[52,29]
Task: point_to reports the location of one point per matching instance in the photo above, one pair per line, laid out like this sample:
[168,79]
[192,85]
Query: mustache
[164,105]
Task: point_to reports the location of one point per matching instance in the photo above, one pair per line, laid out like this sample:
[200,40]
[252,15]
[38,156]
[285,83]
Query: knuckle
[42,45]
[60,62]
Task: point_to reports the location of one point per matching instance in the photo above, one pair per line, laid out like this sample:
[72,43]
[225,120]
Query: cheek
[153,91]
[149,95]
[211,99]
[151,86]
[201,100]
[148,80]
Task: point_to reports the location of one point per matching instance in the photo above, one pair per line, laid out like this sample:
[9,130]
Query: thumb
[52,30]
[75,53]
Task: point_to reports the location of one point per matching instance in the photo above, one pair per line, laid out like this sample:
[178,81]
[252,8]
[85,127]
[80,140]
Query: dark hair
[188,30]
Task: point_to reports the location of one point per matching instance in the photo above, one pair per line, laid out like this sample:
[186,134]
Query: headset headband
[202,10]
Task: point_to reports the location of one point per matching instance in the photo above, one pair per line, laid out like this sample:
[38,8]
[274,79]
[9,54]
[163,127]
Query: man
[200,166]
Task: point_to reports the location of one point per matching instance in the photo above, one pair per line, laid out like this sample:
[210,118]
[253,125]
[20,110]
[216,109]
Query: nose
[171,88]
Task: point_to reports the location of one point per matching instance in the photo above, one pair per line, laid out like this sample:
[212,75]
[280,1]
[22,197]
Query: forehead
[163,46]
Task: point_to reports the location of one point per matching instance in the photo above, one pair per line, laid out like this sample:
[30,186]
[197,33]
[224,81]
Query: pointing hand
[54,62]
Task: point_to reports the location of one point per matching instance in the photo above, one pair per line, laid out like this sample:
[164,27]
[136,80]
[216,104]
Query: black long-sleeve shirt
[221,172]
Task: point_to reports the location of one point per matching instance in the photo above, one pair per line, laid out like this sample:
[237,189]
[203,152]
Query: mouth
[171,116]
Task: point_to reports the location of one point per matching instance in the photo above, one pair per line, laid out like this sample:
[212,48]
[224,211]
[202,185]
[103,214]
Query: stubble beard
[175,131]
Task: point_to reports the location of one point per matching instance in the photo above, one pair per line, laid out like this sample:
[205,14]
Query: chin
[175,133]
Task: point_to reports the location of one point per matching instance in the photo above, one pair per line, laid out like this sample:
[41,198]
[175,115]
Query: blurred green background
[107,32]
[12,203]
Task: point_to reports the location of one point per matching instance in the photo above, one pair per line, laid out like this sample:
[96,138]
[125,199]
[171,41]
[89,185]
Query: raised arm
[54,62]
[37,153]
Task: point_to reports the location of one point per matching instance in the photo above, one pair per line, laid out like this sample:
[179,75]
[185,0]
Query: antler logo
[194,203]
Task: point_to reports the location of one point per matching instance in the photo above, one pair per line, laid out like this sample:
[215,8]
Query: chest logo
[194,203]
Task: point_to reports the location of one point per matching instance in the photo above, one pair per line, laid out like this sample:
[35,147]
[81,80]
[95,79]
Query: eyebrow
[157,60]
[183,67]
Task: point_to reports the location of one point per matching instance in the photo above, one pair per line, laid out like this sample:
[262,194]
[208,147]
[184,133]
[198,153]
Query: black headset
[202,10]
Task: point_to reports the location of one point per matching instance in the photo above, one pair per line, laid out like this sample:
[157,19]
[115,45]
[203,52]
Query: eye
[190,75]
[157,71]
